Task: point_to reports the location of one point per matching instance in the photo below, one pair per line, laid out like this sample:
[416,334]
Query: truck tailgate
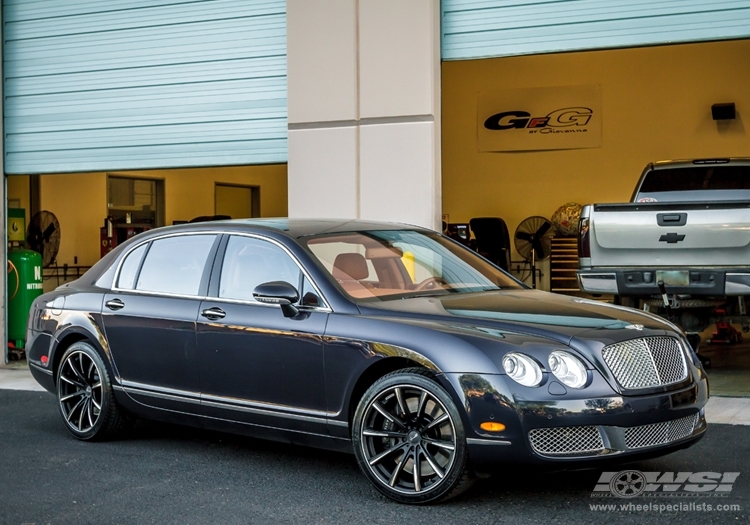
[670,234]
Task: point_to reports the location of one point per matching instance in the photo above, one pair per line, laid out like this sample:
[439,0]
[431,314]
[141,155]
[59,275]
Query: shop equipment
[24,285]
[16,228]
[725,333]
[459,231]
[114,233]
[533,241]
[493,240]
[43,236]
[208,218]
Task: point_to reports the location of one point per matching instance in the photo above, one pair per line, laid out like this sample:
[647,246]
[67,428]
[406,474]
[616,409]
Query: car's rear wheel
[85,397]
[409,439]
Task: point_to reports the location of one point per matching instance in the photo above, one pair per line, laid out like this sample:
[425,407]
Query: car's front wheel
[409,439]
[85,397]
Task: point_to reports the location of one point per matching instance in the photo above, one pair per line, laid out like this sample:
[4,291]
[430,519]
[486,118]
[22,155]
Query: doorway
[237,201]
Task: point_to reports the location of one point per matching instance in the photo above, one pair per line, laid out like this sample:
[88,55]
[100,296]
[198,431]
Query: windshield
[381,265]
[696,183]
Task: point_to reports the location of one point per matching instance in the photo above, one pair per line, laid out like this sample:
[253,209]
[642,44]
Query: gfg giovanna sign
[540,119]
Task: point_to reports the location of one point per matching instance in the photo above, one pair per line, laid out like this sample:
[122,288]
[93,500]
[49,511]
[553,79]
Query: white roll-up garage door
[93,85]
[492,28]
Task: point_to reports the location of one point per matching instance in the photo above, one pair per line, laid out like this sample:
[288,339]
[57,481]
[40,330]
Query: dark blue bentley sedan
[393,342]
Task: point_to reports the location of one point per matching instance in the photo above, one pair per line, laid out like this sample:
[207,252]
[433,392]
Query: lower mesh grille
[586,441]
[660,433]
[566,440]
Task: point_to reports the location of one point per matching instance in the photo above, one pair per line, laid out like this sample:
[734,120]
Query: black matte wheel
[84,395]
[409,439]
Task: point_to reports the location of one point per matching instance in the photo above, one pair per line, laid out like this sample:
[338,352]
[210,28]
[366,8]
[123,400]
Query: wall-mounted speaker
[723,111]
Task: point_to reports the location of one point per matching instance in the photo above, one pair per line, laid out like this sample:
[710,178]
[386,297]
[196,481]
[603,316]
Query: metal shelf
[563,266]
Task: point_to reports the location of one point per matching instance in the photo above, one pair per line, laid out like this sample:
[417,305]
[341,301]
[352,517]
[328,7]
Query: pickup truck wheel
[695,319]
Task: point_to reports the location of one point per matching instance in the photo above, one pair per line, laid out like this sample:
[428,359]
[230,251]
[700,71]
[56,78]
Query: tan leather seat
[350,267]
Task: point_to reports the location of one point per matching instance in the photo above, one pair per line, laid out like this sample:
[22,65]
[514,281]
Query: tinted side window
[249,262]
[175,264]
[129,268]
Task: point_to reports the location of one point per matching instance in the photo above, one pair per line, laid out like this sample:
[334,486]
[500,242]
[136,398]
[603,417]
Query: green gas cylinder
[24,285]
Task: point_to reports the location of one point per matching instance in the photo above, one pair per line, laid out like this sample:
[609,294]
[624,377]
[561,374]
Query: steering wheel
[430,283]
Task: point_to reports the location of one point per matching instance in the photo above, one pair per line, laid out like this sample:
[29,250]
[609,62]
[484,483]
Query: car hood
[543,314]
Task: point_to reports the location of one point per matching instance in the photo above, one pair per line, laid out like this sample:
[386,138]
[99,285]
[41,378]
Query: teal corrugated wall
[94,85]
[492,28]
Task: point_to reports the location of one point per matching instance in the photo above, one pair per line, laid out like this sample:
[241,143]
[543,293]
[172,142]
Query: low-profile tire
[406,415]
[85,397]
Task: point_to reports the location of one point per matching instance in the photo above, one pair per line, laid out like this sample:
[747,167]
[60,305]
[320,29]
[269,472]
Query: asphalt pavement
[168,474]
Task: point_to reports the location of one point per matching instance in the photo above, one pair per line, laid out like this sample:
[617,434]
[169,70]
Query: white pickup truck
[684,239]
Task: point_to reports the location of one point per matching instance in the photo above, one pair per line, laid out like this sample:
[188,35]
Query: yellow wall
[190,192]
[80,200]
[18,188]
[656,106]
[235,201]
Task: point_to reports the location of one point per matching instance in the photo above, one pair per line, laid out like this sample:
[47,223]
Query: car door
[258,366]
[149,319]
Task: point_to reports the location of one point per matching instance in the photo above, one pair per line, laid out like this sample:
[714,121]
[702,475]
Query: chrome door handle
[213,313]
[114,304]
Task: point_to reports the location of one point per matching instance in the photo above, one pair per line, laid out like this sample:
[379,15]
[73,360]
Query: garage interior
[138,200]
[656,104]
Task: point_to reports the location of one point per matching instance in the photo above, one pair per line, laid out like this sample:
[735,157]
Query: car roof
[295,228]
[732,161]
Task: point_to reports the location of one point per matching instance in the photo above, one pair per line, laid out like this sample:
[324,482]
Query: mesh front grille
[668,358]
[646,362]
[566,440]
[660,433]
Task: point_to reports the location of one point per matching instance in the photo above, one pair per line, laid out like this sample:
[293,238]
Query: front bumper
[556,430]
[706,282]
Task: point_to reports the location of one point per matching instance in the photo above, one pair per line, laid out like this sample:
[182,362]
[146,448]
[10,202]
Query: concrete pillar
[364,109]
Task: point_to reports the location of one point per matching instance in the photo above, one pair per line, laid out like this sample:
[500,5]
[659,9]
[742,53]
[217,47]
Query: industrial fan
[532,240]
[43,236]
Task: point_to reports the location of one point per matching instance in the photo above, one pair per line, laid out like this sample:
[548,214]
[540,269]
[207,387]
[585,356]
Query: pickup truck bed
[702,241]
[688,227]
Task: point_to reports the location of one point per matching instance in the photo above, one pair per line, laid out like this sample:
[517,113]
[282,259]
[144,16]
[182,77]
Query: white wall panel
[398,177]
[491,28]
[98,85]
[322,58]
[323,182]
[364,109]
[396,57]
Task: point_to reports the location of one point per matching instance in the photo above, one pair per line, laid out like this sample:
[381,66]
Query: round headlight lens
[568,369]
[522,369]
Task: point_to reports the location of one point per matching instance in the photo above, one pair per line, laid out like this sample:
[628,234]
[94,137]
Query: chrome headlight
[568,369]
[522,369]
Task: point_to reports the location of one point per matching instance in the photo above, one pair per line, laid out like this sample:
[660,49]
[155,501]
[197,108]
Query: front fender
[355,347]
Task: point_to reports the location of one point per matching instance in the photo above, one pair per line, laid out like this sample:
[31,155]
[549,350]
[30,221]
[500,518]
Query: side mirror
[278,292]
